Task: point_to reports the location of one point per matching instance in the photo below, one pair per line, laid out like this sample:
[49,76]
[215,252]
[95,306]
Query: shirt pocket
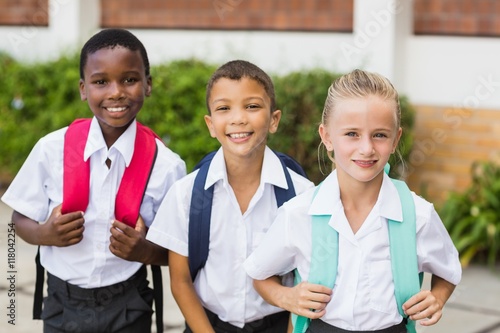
[381,284]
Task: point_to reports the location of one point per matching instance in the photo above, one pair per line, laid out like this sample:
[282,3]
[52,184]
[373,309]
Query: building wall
[447,142]
[24,12]
[283,15]
[442,54]
[454,17]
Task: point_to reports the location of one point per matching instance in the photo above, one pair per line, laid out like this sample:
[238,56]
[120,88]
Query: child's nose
[115,90]
[366,146]
[238,116]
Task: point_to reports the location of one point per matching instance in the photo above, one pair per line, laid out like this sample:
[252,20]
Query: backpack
[201,207]
[402,236]
[128,199]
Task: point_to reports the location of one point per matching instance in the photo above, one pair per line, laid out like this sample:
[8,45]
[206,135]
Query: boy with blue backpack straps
[242,185]
[359,240]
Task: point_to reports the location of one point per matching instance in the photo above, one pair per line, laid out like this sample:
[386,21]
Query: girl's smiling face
[362,133]
[240,116]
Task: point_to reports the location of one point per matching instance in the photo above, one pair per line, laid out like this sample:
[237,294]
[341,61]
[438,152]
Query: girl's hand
[427,305]
[424,306]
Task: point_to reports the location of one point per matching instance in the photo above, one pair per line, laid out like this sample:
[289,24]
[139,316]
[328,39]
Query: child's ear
[275,121]
[149,86]
[208,121]
[83,94]
[396,141]
[325,137]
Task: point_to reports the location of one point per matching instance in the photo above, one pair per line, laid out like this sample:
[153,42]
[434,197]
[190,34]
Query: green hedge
[51,100]
[473,217]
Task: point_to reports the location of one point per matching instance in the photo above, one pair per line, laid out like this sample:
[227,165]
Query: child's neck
[358,199]
[244,178]
[111,134]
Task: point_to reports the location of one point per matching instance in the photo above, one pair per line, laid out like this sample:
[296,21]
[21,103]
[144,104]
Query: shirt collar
[327,197]
[390,203]
[327,200]
[216,170]
[272,170]
[124,145]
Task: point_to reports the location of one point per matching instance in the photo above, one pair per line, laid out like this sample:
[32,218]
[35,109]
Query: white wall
[71,22]
[448,71]
[455,71]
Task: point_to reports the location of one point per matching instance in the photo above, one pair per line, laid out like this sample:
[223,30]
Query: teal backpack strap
[403,240]
[402,236]
[324,261]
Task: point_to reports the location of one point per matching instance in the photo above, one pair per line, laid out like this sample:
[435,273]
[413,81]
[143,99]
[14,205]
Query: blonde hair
[359,84]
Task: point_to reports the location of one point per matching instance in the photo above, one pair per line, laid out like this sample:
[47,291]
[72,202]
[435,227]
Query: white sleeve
[37,187]
[170,227]
[435,249]
[274,255]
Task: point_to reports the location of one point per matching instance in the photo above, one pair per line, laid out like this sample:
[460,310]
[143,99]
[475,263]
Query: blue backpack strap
[291,163]
[283,195]
[205,159]
[200,212]
[324,254]
[403,247]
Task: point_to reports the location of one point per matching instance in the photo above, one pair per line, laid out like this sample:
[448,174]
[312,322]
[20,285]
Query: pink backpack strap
[136,176]
[76,172]
[76,178]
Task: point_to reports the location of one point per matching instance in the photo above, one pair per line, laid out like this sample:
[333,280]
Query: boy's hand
[307,300]
[126,242]
[131,244]
[62,229]
[424,305]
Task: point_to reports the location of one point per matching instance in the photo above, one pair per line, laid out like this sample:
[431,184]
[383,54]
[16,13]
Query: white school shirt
[363,295]
[222,284]
[37,189]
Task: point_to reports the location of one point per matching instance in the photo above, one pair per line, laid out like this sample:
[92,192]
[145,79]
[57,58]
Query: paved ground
[472,309]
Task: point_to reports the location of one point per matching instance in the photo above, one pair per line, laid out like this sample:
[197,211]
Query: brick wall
[431,17]
[447,142]
[457,17]
[24,12]
[311,15]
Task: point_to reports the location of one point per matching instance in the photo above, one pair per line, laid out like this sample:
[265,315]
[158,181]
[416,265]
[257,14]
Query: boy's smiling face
[240,116]
[115,85]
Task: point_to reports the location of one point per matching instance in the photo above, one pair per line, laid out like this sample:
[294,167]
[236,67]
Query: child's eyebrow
[131,72]
[254,97]
[124,73]
[223,99]
[99,74]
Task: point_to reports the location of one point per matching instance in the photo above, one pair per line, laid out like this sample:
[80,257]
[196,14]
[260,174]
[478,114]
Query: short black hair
[110,38]
[238,69]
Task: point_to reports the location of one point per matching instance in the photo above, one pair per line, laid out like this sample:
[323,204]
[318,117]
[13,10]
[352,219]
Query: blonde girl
[360,129]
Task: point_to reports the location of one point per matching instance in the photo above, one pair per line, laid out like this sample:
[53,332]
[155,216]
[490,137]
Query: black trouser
[319,326]
[275,323]
[125,307]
